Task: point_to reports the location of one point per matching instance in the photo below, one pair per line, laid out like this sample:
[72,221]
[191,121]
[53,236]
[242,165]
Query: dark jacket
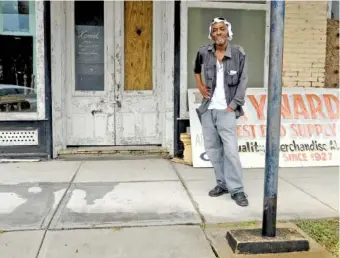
[235,75]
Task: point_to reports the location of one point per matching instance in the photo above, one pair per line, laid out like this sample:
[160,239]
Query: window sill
[15,116]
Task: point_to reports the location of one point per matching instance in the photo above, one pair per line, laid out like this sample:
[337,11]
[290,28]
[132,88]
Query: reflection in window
[249,27]
[15,16]
[89,45]
[17,57]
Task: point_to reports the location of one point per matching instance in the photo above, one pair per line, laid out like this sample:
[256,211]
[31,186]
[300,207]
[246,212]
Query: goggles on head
[217,19]
[221,19]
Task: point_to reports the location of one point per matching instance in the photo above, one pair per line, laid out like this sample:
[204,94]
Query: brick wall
[304,50]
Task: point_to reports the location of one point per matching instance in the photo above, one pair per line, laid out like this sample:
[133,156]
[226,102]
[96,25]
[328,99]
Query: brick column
[305,44]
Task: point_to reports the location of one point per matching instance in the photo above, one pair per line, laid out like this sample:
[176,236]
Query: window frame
[39,67]
[184,73]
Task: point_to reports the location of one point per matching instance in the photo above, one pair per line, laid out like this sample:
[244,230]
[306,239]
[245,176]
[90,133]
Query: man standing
[225,71]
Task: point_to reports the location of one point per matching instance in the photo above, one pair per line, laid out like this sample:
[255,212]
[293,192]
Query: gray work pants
[220,141]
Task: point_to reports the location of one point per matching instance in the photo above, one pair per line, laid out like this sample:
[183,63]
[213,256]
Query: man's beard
[220,40]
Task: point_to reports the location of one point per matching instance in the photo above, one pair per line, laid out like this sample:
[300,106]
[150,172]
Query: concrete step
[113,152]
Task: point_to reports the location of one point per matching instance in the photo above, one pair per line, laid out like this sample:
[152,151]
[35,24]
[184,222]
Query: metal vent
[25,137]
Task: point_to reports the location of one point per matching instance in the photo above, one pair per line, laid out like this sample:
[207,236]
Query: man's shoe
[217,191]
[240,199]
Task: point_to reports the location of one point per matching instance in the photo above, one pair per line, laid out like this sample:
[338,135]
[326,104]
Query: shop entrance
[111,97]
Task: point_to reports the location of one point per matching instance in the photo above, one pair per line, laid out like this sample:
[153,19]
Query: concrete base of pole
[251,241]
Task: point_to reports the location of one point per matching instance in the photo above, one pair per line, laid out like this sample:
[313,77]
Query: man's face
[219,33]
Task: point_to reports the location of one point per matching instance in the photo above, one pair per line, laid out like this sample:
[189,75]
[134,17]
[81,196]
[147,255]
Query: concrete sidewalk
[164,202]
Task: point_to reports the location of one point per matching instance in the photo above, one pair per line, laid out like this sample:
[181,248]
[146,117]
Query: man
[225,72]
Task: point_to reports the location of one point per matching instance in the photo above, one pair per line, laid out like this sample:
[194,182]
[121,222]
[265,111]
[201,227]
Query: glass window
[248,28]
[16,16]
[17,57]
[89,45]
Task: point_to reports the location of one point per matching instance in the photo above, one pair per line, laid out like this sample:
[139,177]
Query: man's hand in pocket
[229,109]
[204,91]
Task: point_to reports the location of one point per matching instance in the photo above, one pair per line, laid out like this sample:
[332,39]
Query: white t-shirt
[218,100]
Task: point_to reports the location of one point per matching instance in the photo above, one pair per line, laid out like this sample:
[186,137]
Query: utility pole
[255,240]
[273,118]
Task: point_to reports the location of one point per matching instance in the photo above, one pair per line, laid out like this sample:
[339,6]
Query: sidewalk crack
[196,207]
[191,198]
[57,208]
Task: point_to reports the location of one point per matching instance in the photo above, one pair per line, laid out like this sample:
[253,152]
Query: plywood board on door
[138,45]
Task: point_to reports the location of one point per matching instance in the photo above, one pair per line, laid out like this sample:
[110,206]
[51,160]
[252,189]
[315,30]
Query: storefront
[115,74]
[108,65]
[24,80]
[112,74]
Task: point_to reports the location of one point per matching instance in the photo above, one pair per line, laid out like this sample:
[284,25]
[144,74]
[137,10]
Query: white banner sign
[309,128]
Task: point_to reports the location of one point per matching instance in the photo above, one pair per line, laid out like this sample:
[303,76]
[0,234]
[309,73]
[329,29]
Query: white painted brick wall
[304,50]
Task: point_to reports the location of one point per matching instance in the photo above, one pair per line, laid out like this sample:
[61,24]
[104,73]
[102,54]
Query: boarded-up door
[138,115]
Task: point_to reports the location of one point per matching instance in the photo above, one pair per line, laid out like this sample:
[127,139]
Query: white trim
[109,51]
[227,5]
[40,66]
[329,9]
[119,55]
[68,68]
[1,20]
[167,80]
[58,76]
[237,1]
[266,48]
[184,111]
[157,69]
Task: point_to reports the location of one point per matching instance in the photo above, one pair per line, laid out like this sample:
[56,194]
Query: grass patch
[323,231]
[232,225]
[241,224]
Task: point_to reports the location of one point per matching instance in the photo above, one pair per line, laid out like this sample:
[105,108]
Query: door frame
[185,5]
[163,71]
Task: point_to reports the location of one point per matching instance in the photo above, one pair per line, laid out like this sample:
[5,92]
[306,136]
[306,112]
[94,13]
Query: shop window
[89,45]
[18,61]
[249,29]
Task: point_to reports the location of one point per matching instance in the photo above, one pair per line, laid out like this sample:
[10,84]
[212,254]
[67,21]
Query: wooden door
[137,90]
[90,90]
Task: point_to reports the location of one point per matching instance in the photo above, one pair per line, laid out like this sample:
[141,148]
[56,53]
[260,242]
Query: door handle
[96,111]
[119,104]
